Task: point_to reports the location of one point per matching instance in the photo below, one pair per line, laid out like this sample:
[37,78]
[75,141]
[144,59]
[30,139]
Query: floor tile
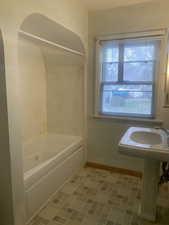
[98,197]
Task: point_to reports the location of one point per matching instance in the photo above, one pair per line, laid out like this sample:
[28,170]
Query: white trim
[142,34]
[128,119]
[97,78]
[166,61]
[35,37]
[146,35]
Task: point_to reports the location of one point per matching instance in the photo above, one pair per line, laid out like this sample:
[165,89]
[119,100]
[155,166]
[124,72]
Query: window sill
[166,106]
[155,121]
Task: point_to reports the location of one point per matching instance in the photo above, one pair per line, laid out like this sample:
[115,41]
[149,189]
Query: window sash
[152,113]
[121,62]
[129,114]
[121,81]
[132,61]
[127,83]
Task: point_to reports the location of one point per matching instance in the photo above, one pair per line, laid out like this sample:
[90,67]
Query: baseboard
[114,169]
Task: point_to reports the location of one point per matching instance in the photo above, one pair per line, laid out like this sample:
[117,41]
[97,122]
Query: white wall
[6,206]
[103,135]
[65,92]
[65,100]
[33,90]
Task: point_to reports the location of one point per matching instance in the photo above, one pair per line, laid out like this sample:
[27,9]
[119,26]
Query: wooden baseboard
[114,169]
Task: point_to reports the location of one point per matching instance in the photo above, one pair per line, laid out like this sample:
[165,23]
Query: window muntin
[128,70]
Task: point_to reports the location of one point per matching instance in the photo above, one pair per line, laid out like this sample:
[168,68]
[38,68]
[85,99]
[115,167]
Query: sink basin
[148,138]
[145,143]
[152,145]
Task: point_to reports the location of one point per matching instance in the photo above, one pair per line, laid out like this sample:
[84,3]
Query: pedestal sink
[152,145]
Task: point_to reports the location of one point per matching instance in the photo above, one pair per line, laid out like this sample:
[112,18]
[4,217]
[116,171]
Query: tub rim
[33,175]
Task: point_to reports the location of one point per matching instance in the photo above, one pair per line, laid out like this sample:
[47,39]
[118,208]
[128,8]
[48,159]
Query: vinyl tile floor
[98,197]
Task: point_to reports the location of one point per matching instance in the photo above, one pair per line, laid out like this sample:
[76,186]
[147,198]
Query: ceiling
[107,4]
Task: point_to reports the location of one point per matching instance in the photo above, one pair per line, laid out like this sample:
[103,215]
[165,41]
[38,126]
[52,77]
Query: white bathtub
[49,162]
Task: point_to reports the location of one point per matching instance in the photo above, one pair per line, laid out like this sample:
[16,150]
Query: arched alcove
[45,28]
[52,62]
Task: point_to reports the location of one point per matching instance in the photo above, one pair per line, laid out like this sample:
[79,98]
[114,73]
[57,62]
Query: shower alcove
[52,80]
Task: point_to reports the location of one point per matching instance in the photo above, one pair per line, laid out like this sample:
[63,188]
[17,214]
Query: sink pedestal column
[150,189]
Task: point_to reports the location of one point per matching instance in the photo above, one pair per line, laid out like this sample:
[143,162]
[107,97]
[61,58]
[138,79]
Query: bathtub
[49,161]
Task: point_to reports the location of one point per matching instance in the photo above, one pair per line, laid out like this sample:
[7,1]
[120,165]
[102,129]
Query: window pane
[110,51]
[110,72]
[127,99]
[139,51]
[138,71]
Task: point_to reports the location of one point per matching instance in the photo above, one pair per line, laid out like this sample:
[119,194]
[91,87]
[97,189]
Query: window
[126,77]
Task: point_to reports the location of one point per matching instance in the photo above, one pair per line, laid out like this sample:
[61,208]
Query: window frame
[142,36]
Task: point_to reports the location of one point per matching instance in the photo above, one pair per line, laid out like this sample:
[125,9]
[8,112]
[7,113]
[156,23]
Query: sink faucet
[165,130]
[167,133]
